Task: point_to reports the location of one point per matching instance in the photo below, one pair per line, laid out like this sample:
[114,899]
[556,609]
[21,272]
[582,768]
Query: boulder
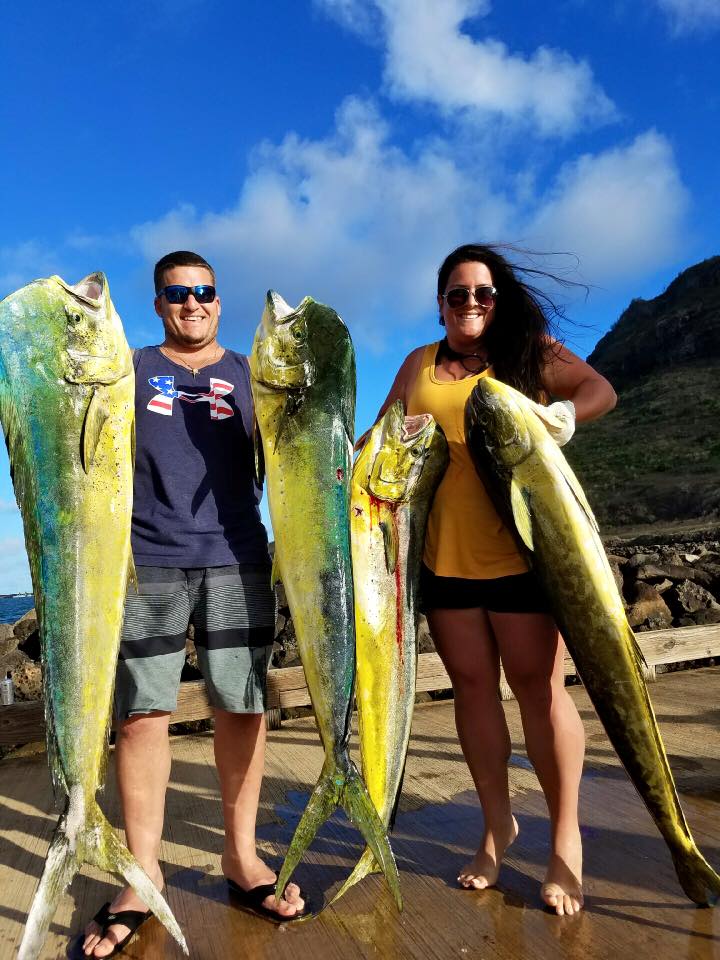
[638,559]
[280,596]
[8,640]
[280,622]
[662,571]
[25,625]
[424,638]
[26,675]
[687,597]
[648,610]
[616,572]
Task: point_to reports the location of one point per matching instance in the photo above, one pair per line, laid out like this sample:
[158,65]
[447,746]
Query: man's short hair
[180,258]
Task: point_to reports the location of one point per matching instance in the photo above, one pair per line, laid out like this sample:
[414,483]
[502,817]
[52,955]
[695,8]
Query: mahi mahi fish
[67,410]
[303,381]
[540,497]
[393,484]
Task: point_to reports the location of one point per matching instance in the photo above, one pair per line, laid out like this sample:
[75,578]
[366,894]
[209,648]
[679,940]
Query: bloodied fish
[539,496]
[393,483]
[67,410]
[303,381]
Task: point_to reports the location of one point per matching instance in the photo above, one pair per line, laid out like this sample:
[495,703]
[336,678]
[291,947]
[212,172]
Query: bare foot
[562,888]
[94,945]
[484,868]
[255,874]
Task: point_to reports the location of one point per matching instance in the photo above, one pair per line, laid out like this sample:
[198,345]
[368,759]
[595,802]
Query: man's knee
[143,726]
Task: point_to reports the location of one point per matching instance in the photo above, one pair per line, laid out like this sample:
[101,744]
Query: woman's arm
[568,377]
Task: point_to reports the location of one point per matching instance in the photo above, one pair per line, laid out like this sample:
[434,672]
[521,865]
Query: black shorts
[520,593]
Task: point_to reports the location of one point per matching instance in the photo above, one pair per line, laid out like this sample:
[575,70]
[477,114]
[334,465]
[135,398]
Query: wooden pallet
[25,722]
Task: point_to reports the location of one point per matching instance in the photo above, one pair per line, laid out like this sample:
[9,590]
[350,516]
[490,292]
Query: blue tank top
[195,496]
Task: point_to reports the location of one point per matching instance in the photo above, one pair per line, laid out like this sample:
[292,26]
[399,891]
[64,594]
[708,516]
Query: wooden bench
[25,722]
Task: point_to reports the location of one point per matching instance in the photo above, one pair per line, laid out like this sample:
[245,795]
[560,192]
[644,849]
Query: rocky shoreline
[664,585]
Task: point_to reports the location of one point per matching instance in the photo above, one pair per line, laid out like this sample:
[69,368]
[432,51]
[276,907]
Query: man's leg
[240,759]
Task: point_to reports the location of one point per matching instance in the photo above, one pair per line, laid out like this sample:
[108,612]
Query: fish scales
[394,480]
[67,409]
[303,381]
[537,492]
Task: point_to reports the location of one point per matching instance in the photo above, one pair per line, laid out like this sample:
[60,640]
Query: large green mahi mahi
[393,483]
[540,497]
[67,410]
[303,381]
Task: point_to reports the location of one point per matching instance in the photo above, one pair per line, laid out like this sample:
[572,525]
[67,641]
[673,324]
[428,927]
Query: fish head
[52,329]
[281,357]
[496,418]
[402,445]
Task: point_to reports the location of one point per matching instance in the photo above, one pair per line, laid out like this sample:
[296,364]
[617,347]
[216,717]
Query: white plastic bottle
[7,694]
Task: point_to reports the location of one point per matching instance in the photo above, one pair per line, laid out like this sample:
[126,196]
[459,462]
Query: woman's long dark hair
[518,341]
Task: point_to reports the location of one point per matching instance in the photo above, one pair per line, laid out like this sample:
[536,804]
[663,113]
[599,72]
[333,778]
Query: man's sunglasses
[485,296]
[203,293]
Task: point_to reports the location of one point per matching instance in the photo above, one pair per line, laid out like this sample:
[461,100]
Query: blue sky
[340,148]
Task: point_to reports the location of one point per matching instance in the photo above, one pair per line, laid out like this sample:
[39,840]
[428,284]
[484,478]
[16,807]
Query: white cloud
[359,223]
[688,15]
[23,263]
[431,60]
[620,211]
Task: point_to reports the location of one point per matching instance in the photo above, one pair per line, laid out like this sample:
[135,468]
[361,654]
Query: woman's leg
[532,654]
[465,642]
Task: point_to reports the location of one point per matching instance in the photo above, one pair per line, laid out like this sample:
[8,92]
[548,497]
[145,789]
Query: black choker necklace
[447,351]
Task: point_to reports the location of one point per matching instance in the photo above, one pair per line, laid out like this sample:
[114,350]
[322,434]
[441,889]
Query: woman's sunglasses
[485,296]
[203,293]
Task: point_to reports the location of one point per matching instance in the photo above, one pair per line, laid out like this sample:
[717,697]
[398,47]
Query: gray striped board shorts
[232,609]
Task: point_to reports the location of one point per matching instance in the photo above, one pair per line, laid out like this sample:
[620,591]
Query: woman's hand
[559,419]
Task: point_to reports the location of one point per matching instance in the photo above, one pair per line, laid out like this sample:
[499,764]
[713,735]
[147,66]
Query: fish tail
[342,788]
[61,865]
[83,835]
[697,878]
[366,865]
[110,854]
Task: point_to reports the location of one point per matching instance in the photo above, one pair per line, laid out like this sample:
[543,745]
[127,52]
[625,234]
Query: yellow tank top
[465,536]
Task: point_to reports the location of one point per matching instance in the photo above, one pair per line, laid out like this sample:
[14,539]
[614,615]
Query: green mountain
[656,458]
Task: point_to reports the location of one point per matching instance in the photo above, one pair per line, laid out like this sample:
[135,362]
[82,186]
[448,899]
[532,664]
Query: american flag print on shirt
[162,402]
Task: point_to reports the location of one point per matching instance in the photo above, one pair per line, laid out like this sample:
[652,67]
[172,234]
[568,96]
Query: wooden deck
[635,907]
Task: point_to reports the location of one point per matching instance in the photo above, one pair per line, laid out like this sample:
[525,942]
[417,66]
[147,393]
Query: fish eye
[297,332]
[416,451]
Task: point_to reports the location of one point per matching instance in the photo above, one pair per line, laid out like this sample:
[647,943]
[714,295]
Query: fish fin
[697,878]
[390,541]
[61,865]
[275,572]
[132,577]
[105,850]
[286,424]
[96,417]
[333,789]
[574,484]
[519,499]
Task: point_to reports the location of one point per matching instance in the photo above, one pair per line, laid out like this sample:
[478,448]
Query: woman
[482,604]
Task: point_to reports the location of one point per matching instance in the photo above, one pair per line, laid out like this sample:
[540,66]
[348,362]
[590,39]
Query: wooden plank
[286,687]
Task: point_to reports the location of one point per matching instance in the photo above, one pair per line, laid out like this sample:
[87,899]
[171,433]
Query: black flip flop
[127,918]
[252,901]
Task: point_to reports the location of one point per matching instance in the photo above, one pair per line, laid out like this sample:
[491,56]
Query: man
[201,556]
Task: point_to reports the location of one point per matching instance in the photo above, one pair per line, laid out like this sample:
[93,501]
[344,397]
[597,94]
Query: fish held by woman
[67,410]
[538,494]
[393,483]
[303,381]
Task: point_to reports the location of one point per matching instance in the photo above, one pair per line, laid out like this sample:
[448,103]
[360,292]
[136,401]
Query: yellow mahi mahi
[67,409]
[540,497]
[394,480]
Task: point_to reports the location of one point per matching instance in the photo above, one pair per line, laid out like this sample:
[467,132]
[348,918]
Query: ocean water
[12,608]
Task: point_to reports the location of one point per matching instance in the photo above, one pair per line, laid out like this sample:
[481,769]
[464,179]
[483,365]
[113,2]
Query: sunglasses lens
[176,294]
[456,297]
[204,293]
[484,296]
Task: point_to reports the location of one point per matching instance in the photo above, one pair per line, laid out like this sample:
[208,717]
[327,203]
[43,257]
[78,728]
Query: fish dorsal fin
[519,500]
[96,417]
[579,494]
[390,542]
